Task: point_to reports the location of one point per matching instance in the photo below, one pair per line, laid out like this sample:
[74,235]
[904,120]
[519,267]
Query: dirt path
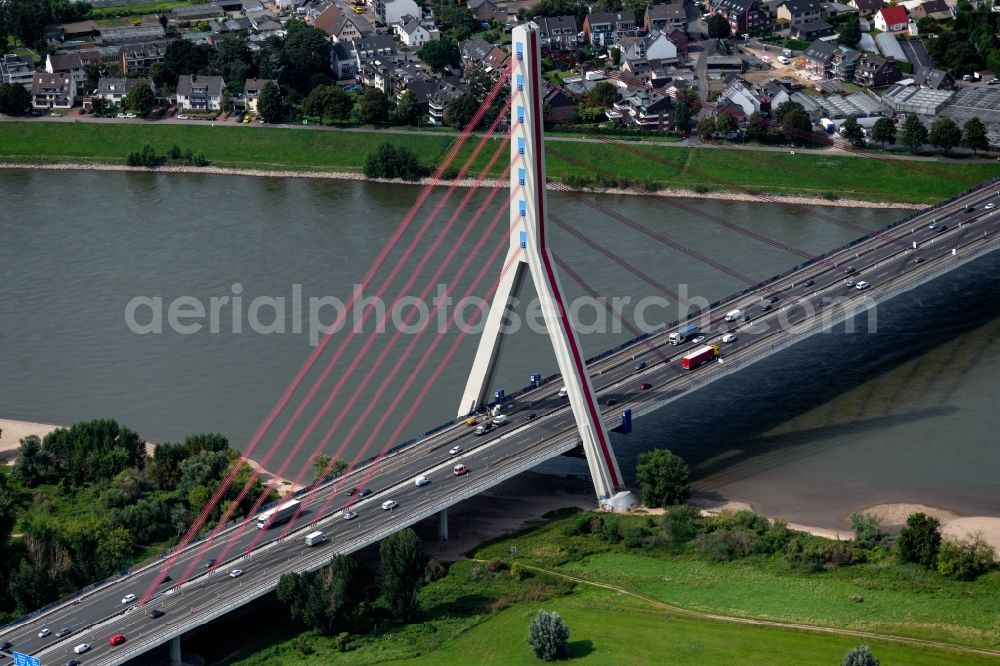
[764,623]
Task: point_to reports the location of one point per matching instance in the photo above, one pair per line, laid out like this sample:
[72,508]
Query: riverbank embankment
[679,193]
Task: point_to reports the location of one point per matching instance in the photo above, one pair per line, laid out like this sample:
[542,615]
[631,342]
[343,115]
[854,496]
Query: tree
[31,465]
[139,99]
[914,133]
[663,478]
[548,636]
[439,53]
[965,560]
[341,592]
[401,563]
[326,466]
[604,94]
[270,104]
[725,124]
[718,26]
[785,108]
[920,539]
[927,24]
[945,134]
[852,131]
[867,531]
[407,110]
[884,131]
[706,127]
[302,56]
[389,161]
[860,655]
[460,111]
[757,127]
[797,127]
[373,107]
[15,100]
[328,102]
[974,135]
[682,115]
[93,71]
[850,31]
[182,57]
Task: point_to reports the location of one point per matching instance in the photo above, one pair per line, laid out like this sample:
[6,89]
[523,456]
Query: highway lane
[614,378]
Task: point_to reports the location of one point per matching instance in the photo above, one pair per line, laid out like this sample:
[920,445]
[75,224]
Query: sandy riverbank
[469,182]
[11,433]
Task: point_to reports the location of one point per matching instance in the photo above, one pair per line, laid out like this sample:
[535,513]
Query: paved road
[885,263]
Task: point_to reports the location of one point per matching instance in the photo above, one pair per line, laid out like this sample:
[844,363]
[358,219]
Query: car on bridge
[850,282]
[81,648]
[455,450]
[989,206]
[500,419]
[483,428]
[645,387]
[350,515]
[698,339]
[6,646]
[421,481]
[918,260]
[117,639]
[236,573]
[459,470]
[531,417]
[861,286]
[389,505]
[73,662]
[729,337]
[128,598]
[155,613]
[640,365]
[44,632]
[65,631]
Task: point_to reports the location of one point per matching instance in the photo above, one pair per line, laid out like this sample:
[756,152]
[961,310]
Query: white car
[455,450]
[500,419]
[729,337]
[421,481]
[389,505]
[120,115]
[236,573]
[128,598]
[130,115]
[43,633]
[182,117]
[989,206]
[698,339]
[783,60]
[850,282]
[350,515]
[81,648]
[766,58]
[861,286]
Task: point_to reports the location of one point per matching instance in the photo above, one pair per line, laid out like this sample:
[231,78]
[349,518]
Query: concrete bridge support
[443,524]
[175,651]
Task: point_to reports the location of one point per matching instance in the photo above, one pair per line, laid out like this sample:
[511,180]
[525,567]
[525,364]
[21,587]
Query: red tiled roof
[894,15]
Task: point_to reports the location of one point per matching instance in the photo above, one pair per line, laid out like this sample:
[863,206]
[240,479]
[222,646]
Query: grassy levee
[302,150]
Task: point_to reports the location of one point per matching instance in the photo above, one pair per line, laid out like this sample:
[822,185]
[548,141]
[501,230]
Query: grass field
[290,149]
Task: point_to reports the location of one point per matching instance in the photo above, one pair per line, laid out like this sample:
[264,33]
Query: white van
[733,315]
[421,481]
[563,392]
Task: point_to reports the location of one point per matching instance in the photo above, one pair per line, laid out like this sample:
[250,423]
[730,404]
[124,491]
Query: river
[867,417]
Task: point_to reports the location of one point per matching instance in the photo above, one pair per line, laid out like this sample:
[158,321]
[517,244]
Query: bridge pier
[443,524]
[175,651]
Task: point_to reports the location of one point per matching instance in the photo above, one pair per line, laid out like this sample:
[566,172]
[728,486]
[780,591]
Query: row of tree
[25,20]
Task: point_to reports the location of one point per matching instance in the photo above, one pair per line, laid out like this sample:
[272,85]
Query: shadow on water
[727,422]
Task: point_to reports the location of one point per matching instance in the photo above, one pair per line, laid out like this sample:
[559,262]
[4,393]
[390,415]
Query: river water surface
[906,414]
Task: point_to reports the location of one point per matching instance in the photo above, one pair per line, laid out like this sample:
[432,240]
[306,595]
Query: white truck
[277,515]
[733,315]
[315,538]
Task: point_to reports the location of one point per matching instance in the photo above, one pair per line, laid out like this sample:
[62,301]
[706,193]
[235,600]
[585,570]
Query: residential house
[369,49]
[78,30]
[744,16]
[748,97]
[491,11]
[818,58]
[935,79]
[779,92]
[652,46]
[799,12]
[496,60]
[936,9]
[876,72]
[558,33]
[391,11]
[198,92]
[439,99]
[204,12]
[604,28]
[557,105]
[411,32]
[844,63]
[812,31]
[17,70]
[139,57]
[133,34]
[251,92]
[52,90]
[342,63]
[341,26]
[665,17]
[836,9]
[70,64]
[654,73]
[680,40]
[645,109]
[866,7]
[892,19]
[474,52]
[230,5]
[113,90]
[732,109]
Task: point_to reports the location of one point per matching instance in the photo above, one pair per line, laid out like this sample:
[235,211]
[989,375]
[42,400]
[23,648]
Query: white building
[202,93]
[15,69]
[52,91]
[392,11]
[411,33]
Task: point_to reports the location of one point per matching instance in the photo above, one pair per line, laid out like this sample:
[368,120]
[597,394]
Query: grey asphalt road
[93,619]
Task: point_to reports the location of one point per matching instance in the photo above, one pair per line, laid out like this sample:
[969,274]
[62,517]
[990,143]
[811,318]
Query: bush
[548,636]
[663,478]
[965,560]
[919,540]
[860,655]
[389,161]
[724,545]
[147,157]
[801,555]
[681,523]
[343,639]
[867,531]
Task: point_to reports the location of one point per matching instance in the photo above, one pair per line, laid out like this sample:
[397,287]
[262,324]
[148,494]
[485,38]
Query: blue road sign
[25,660]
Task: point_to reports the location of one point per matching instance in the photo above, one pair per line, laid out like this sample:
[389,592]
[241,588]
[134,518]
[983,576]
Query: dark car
[352,492]
[611,402]
[645,387]
[808,283]
[366,492]
[65,631]
[746,319]
[166,579]
[765,307]
[531,417]
[73,662]
[156,612]
[6,645]
[941,227]
[640,365]
[772,299]
[210,563]
[918,260]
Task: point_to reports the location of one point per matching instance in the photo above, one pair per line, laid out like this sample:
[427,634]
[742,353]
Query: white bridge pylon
[529,249]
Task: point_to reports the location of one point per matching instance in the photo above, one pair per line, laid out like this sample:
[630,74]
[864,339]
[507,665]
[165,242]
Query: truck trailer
[277,515]
[683,334]
[315,538]
[699,356]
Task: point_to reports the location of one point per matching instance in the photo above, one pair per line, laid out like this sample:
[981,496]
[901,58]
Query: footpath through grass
[305,150]
[479,612]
